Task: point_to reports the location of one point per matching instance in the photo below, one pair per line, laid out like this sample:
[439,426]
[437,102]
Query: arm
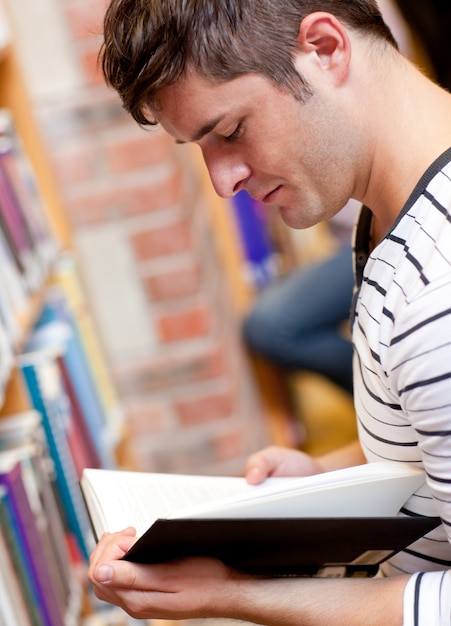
[199,588]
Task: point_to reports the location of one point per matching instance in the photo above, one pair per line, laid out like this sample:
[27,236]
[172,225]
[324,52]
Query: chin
[295,218]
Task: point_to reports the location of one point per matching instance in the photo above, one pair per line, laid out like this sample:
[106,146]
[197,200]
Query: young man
[305,104]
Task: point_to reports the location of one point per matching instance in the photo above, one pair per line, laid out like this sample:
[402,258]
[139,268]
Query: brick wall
[157,283]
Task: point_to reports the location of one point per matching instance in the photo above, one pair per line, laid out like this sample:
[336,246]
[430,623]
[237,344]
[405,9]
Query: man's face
[253,136]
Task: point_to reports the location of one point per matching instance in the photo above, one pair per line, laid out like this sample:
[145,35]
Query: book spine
[67,278]
[20,505]
[19,557]
[77,372]
[80,440]
[10,586]
[10,224]
[25,190]
[28,246]
[22,439]
[42,379]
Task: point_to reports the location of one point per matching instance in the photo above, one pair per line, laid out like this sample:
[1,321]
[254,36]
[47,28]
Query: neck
[410,136]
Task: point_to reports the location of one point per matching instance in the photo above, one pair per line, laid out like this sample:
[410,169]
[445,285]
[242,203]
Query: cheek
[278,154]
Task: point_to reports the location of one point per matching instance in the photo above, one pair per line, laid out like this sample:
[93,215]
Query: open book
[347,518]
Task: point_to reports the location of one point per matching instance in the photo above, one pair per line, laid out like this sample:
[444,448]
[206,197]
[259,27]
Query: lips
[270,197]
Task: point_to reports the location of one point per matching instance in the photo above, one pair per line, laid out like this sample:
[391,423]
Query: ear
[325,39]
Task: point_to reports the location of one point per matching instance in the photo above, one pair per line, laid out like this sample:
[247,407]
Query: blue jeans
[297,322]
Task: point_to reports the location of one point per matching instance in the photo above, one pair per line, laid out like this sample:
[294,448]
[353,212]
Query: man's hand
[279,461]
[201,587]
[177,590]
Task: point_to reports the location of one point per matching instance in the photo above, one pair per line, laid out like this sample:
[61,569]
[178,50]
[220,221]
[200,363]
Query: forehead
[193,103]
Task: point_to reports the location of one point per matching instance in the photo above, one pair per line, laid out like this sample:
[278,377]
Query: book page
[371,490]
[138,499]
[118,499]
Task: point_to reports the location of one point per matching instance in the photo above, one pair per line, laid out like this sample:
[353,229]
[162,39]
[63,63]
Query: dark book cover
[282,547]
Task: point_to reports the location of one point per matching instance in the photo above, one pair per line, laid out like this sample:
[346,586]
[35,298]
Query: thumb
[103,573]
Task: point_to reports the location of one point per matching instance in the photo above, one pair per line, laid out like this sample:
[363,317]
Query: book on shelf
[13,474]
[56,331]
[10,437]
[18,557]
[54,338]
[66,275]
[23,217]
[13,298]
[34,498]
[48,397]
[14,605]
[14,227]
[346,520]
[27,244]
[6,358]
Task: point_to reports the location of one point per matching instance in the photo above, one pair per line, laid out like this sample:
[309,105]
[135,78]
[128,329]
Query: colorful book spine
[19,559]
[258,249]
[6,358]
[67,278]
[48,397]
[25,191]
[23,437]
[56,327]
[13,601]
[11,478]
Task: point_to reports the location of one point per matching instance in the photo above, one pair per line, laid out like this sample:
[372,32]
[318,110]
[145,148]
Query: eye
[235,135]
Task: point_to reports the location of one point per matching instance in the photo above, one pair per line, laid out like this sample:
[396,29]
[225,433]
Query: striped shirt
[402,374]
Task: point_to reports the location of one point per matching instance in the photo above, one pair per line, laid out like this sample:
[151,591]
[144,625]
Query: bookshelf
[14,96]
[58,409]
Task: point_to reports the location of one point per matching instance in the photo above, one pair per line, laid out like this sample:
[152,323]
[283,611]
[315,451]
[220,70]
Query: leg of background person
[297,322]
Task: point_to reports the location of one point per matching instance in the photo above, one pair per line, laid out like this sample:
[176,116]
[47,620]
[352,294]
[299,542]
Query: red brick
[163,241]
[94,207]
[207,408]
[146,419]
[74,166]
[126,154]
[164,372]
[98,203]
[229,445]
[178,283]
[186,324]
[144,198]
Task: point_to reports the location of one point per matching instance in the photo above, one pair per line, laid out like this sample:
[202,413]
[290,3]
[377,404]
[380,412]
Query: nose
[228,171]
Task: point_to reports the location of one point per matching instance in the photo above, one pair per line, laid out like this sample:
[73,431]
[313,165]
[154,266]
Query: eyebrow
[204,130]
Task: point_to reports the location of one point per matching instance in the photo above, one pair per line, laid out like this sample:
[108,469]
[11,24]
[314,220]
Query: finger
[279,461]
[261,464]
[115,544]
[163,590]
[111,546]
[170,576]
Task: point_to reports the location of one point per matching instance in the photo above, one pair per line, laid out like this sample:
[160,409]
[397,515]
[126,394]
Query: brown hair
[149,44]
